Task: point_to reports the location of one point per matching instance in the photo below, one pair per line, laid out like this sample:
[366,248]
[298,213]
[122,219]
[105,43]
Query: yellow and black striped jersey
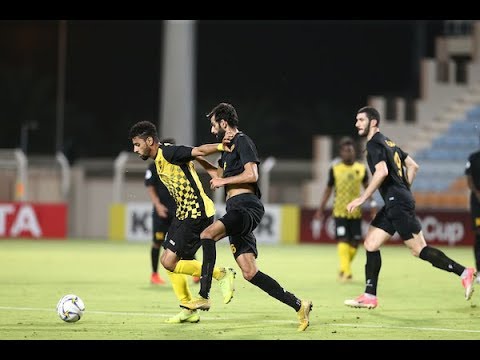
[176,170]
[347,181]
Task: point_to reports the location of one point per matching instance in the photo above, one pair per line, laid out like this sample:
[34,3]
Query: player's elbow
[383,173]
[198,153]
[252,177]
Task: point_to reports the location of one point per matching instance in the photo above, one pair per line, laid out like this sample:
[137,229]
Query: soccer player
[162,215]
[472,171]
[238,173]
[346,177]
[195,211]
[393,172]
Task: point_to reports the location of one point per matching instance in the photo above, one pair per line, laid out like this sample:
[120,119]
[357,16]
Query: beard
[365,131]
[144,157]
[220,134]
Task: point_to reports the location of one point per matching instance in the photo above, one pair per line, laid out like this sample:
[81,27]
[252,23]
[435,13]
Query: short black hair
[226,112]
[346,140]
[371,112]
[144,129]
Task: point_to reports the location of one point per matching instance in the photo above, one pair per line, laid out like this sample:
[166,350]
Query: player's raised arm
[207,149]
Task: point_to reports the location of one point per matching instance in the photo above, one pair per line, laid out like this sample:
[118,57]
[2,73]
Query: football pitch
[416,301]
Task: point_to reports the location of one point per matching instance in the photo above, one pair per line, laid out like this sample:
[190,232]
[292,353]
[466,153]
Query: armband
[220,147]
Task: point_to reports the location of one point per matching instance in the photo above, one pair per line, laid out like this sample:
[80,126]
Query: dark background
[287,79]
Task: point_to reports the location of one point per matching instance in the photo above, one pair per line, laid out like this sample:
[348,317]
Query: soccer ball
[70,308]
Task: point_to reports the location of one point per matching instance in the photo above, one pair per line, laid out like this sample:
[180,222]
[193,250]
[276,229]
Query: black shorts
[475,212]
[183,236]
[160,227]
[399,218]
[350,229]
[244,213]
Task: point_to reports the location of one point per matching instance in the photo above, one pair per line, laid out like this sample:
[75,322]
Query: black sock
[273,288]
[155,254]
[209,257]
[477,251]
[440,260]
[372,269]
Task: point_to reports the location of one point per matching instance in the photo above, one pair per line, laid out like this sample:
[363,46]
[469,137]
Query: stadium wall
[132,221]
[33,220]
[291,224]
[440,227]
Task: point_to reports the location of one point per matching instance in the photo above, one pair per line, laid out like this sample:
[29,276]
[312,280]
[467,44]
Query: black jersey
[152,179]
[243,152]
[395,187]
[472,168]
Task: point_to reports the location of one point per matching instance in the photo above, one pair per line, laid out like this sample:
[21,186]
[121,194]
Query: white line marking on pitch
[271,321]
[89,311]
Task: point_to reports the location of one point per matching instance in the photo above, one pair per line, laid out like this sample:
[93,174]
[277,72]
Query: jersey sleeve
[178,154]
[150,175]
[403,154]
[331,179]
[376,153]
[247,151]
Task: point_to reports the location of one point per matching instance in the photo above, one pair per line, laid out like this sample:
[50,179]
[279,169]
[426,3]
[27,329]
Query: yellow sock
[344,256]
[352,251]
[188,267]
[194,268]
[180,286]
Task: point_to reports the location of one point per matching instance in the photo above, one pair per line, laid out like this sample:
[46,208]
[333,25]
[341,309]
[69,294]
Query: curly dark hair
[144,129]
[226,112]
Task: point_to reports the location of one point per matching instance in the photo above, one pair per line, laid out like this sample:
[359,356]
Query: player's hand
[216,183]
[227,138]
[162,210]
[352,205]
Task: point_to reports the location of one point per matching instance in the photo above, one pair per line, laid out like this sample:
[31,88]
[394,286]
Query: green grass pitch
[416,301]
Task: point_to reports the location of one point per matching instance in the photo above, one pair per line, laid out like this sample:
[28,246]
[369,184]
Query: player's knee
[370,246]
[211,235]
[168,264]
[207,234]
[248,275]
[169,267]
